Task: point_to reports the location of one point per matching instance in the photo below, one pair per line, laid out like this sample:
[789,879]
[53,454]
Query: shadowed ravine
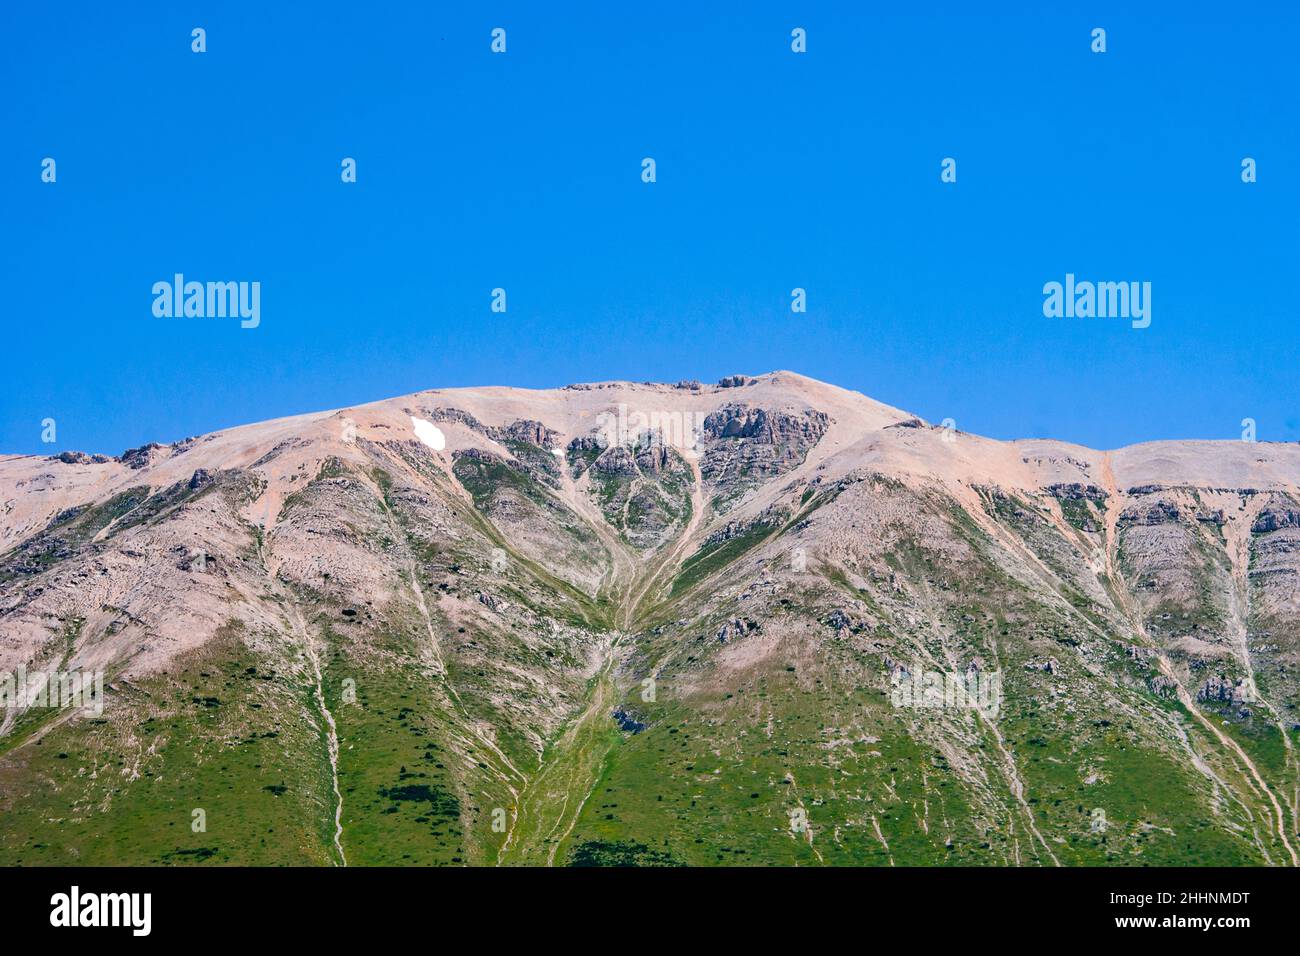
[553,798]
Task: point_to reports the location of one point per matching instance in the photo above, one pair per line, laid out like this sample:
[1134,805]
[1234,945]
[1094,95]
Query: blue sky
[775,171]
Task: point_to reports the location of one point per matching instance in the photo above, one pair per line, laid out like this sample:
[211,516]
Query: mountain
[765,621]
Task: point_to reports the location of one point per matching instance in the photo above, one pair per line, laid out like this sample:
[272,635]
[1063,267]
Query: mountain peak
[423,608]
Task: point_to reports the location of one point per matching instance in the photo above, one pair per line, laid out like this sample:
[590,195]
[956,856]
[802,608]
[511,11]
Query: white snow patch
[429,433]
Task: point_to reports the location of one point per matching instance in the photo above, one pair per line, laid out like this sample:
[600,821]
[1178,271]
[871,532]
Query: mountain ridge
[498,572]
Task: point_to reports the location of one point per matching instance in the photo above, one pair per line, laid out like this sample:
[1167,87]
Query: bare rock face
[617,461]
[643,490]
[1164,687]
[1151,513]
[525,431]
[744,445]
[1269,520]
[80,458]
[144,456]
[1223,689]
[1082,504]
[528,432]
[334,617]
[1077,491]
[655,458]
[790,432]
[735,381]
[735,628]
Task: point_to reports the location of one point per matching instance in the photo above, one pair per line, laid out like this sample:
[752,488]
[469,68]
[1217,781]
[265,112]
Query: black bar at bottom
[223,906]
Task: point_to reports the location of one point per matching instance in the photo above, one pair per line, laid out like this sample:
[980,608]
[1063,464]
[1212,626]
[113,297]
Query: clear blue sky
[775,170]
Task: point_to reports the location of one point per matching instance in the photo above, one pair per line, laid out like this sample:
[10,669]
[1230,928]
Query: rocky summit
[767,621]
